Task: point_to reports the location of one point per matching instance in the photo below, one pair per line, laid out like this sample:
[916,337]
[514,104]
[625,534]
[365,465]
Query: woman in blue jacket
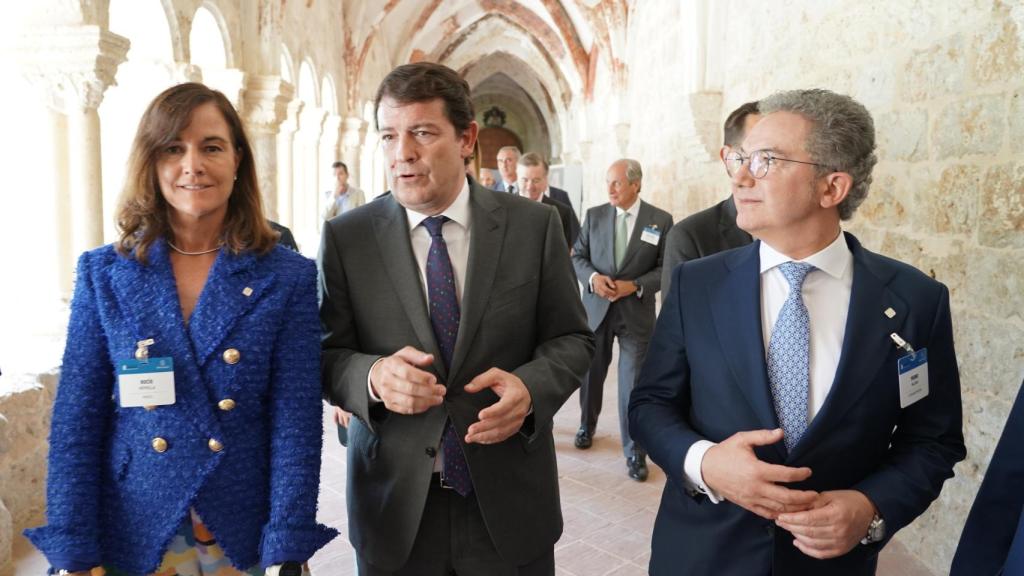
[187,427]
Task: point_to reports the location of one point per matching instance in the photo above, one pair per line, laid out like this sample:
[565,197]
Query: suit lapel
[602,239]
[233,287]
[148,298]
[391,229]
[866,342]
[486,239]
[736,308]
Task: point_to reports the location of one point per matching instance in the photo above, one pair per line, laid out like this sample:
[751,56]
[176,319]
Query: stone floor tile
[582,559]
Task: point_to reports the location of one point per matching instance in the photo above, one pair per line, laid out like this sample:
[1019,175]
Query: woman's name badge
[913,370]
[651,235]
[148,382]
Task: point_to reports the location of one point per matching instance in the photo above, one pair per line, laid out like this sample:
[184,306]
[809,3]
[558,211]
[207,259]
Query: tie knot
[795,273]
[433,225]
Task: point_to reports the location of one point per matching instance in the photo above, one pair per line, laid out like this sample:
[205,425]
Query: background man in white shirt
[343,197]
[771,395]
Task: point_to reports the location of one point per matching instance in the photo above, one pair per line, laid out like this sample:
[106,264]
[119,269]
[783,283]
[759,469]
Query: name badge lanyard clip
[142,350]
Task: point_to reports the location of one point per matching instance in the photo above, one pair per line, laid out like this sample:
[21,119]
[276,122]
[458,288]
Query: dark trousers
[453,540]
[632,350]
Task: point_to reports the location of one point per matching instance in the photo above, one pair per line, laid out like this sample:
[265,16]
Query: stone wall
[945,83]
[24,428]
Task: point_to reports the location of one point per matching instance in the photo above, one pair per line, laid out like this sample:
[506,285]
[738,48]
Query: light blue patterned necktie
[789,356]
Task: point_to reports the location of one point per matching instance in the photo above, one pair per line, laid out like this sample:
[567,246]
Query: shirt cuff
[691,470]
[639,289]
[369,387]
[590,282]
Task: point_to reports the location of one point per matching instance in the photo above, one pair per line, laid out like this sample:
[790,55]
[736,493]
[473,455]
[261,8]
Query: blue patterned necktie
[789,356]
[444,318]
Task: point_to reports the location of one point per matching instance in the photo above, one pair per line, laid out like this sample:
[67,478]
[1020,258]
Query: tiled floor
[608,517]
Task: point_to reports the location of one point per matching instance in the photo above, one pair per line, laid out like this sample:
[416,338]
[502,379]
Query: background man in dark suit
[533,182]
[618,260]
[453,331]
[713,229]
[772,395]
[508,162]
[993,539]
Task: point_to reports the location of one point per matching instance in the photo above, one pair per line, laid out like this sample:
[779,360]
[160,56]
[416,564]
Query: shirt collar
[834,259]
[458,212]
[539,198]
[633,210]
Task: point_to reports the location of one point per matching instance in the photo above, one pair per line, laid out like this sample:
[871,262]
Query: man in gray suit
[713,229]
[618,257]
[453,331]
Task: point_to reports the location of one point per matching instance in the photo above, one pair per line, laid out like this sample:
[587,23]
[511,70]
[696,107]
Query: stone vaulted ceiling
[553,49]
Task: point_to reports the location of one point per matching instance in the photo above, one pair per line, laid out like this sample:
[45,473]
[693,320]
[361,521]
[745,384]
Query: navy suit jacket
[111,498]
[705,378]
[993,539]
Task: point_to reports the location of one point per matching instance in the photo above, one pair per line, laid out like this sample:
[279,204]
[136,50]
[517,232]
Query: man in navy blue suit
[801,393]
[993,539]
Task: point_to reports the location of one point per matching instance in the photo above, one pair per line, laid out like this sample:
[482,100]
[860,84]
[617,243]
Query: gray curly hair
[842,137]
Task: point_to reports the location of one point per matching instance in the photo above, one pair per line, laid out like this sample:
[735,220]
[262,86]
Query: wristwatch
[876,530]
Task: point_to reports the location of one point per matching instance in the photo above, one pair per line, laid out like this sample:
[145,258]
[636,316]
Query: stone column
[307,182]
[351,149]
[265,107]
[328,154]
[73,66]
[286,161]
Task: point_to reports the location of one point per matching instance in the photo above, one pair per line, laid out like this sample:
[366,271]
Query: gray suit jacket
[595,252]
[702,234]
[520,312]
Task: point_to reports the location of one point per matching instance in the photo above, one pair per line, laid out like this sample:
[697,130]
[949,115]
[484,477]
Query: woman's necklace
[200,253]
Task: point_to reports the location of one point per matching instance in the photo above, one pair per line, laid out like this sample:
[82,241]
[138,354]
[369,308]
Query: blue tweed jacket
[111,497]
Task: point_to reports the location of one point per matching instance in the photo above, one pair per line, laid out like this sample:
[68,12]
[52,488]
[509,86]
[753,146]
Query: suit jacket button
[215,445]
[226,404]
[232,356]
[159,444]
[431,451]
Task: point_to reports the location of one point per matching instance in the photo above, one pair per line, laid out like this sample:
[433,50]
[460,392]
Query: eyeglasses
[760,162]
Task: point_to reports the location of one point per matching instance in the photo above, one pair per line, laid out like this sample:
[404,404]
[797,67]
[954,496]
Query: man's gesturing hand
[731,469]
[837,522]
[404,388]
[505,417]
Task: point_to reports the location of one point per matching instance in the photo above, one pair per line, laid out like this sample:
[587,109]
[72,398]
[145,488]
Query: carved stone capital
[71,65]
[354,132]
[265,105]
[332,129]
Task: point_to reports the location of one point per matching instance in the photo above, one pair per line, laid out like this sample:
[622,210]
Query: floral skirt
[195,552]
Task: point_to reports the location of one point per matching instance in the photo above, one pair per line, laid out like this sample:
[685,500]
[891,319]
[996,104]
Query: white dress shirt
[826,293]
[456,234]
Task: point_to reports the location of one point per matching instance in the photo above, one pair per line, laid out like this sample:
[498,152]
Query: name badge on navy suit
[913,370]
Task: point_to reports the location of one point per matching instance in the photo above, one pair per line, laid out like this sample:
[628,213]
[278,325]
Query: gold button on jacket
[226,404]
[214,445]
[232,356]
[159,444]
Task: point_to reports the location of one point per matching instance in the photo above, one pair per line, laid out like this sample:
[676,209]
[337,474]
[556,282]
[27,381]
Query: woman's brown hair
[142,214]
